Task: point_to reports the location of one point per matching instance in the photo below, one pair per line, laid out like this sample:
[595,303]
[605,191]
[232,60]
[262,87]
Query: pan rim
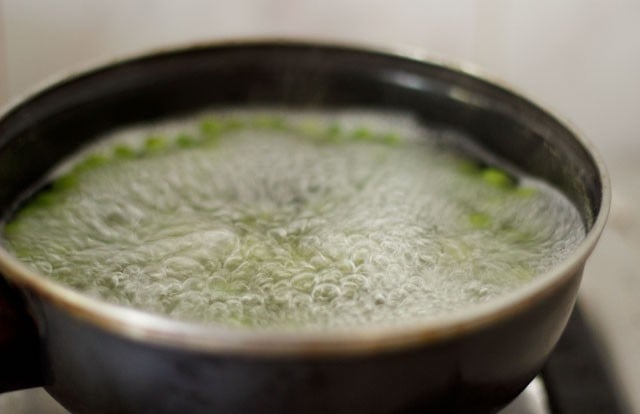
[159,330]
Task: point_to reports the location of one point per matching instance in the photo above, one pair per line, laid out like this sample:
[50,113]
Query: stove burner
[533,400]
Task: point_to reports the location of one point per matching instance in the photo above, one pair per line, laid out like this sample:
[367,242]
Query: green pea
[479,220]
[334,130]
[210,127]
[232,124]
[497,178]
[332,134]
[11,227]
[186,141]
[468,167]
[65,182]
[243,320]
[311,129]
[155,143]
[91,162]
[522,272]
[362,134]
[457,251]
[390,139]
[526,191]
[124,152]
[269,122]
[44,199]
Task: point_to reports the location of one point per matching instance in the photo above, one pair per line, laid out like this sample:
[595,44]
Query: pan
[95,357]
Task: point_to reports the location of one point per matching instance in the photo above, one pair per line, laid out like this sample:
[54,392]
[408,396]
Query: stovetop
[574,381]
[533,400]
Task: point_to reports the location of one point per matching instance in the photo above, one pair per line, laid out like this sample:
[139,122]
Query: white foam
[271,228]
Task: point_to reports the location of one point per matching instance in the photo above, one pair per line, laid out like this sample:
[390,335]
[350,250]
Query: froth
[291,224]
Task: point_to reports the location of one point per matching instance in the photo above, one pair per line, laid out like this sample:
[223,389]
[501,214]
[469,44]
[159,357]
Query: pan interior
[293,220]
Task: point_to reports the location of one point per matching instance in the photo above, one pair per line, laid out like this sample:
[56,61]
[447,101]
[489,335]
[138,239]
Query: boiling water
[291,221]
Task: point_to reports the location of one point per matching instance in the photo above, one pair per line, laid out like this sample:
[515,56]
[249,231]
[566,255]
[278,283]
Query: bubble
[269,219]
[303,281]
[379,299]
[325,292]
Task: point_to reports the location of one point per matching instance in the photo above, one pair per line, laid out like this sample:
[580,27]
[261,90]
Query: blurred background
[580,58]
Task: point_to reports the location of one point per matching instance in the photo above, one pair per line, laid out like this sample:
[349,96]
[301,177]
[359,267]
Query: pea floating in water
[291,220]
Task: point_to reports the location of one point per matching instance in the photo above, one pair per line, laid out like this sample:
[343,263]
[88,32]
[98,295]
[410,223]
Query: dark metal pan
[99,358]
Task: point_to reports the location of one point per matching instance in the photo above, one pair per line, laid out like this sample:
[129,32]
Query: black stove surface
[576,377]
